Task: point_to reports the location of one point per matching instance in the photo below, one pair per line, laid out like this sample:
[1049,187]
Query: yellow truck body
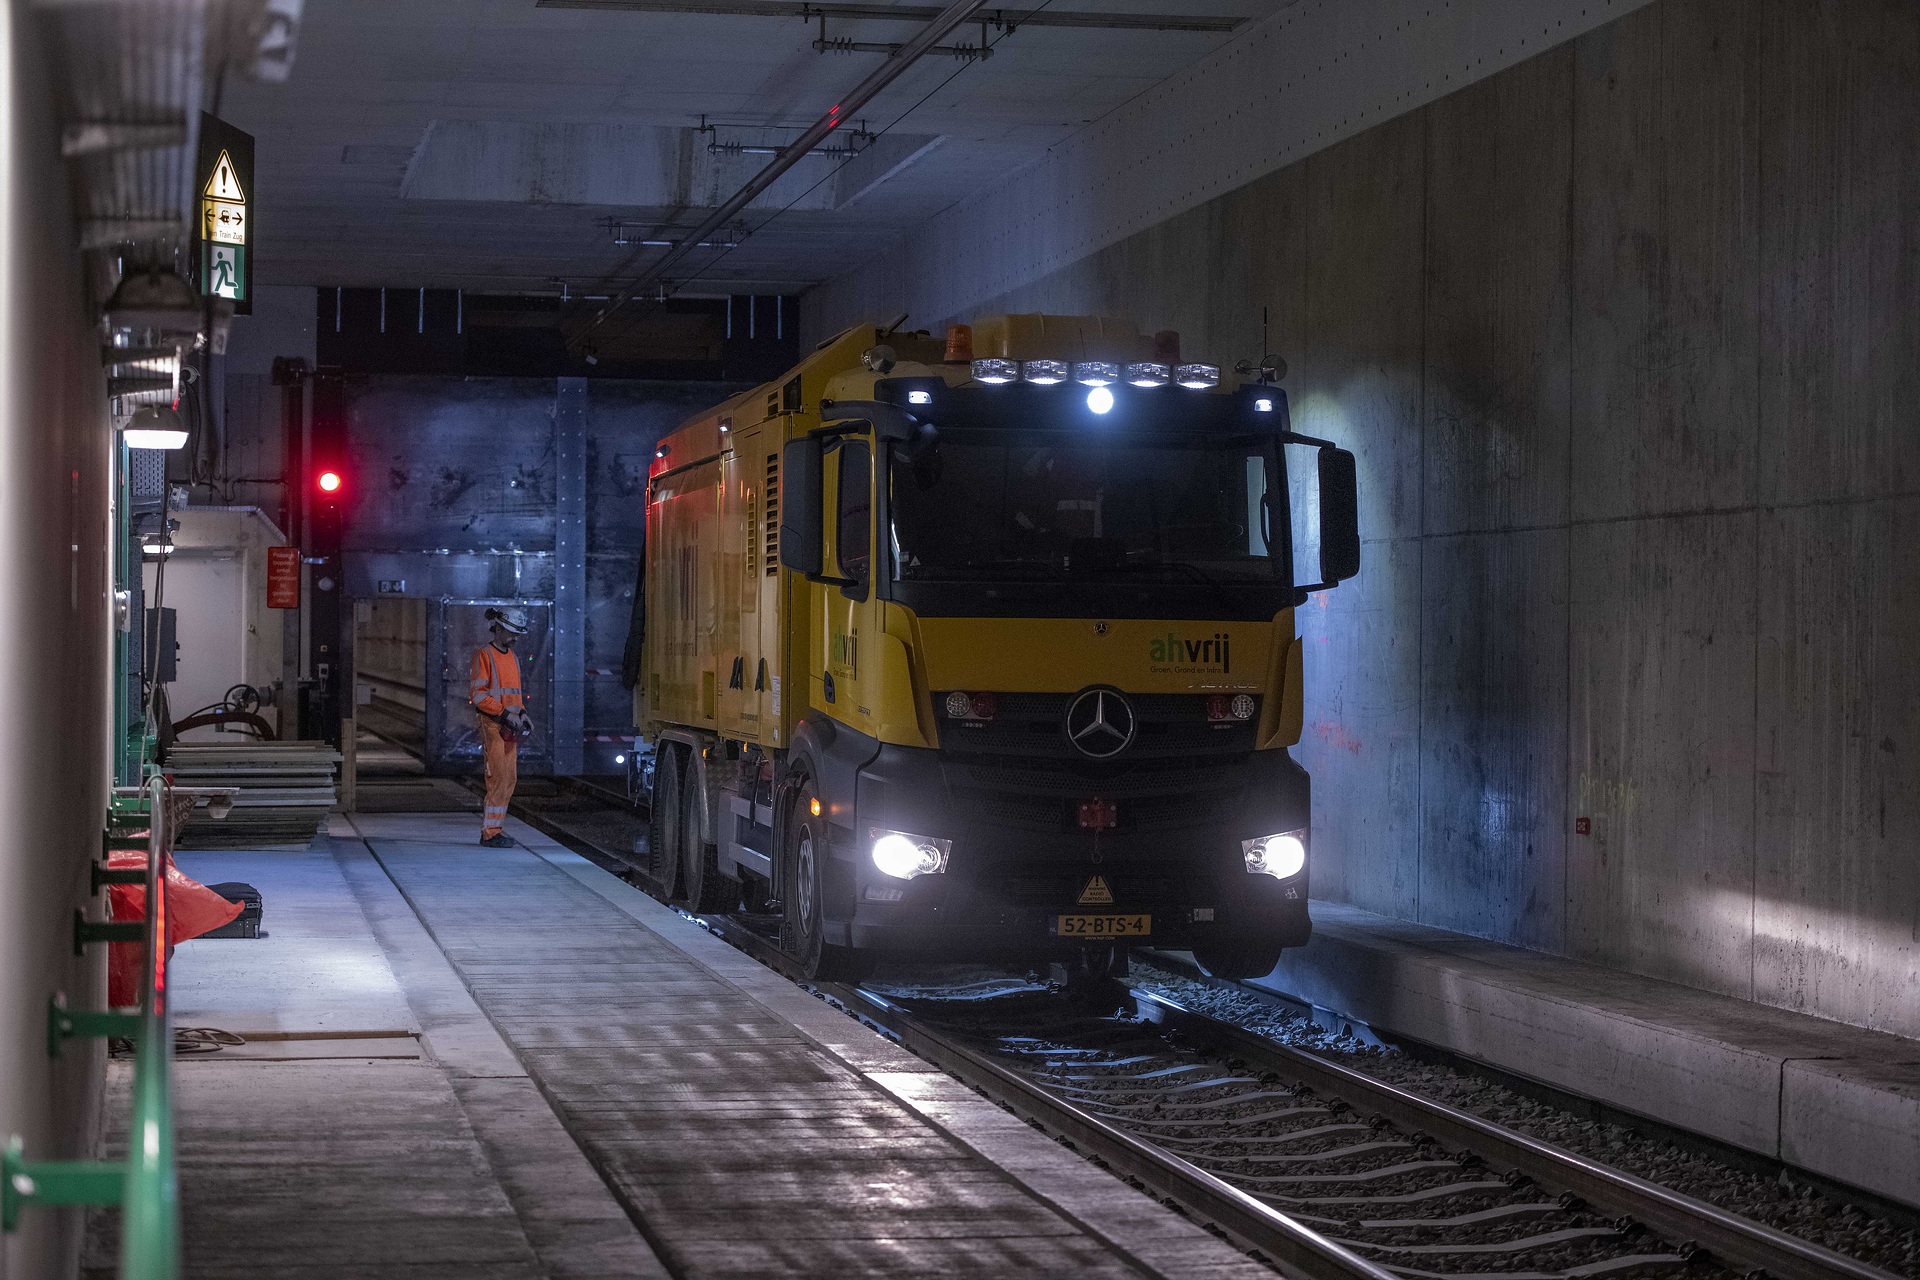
[829,653]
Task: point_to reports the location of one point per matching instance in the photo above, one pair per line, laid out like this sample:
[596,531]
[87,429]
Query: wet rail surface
[1320,1169]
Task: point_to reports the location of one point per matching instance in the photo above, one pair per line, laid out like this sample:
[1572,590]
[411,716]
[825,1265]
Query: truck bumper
[1019,861]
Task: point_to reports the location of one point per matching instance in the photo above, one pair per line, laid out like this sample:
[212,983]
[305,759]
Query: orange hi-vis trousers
[503,772]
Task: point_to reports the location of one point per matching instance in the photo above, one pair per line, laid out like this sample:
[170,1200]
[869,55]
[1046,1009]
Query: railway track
[1320,1169]
[1323,1171]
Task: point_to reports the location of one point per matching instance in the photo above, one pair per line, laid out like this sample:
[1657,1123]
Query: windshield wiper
[1187,567]
[1040,567]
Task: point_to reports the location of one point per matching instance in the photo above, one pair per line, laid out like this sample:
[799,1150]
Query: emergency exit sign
[283,577]
[225,243]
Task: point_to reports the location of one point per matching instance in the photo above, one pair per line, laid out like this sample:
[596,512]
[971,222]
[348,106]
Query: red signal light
[330,481]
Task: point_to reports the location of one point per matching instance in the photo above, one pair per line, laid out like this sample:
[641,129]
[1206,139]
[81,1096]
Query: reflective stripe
[485,684]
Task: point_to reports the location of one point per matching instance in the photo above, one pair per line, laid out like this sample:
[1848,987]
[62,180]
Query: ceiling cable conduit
[840,113]
[1002,18]
[824,43]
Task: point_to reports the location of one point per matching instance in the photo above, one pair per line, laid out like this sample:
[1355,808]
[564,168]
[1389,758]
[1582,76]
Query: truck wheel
[663,822]
[1238,960]
[804,857]
[706,889]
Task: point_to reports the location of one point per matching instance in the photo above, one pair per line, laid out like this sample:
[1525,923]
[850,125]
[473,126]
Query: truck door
[848,612]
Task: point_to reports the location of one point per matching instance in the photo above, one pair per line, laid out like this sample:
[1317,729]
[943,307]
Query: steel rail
[840,113]
[1252,1223]
[1737,1242]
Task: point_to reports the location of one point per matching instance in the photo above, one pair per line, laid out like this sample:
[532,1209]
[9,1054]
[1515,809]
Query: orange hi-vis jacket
[495,686]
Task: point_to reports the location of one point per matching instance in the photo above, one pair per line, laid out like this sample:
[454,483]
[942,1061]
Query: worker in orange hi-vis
[495,694]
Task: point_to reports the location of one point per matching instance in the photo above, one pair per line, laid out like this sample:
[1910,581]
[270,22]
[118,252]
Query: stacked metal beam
[286,791]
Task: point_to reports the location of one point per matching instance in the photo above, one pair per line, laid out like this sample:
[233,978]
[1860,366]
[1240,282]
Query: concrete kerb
[1102,1205]
[1835,1100]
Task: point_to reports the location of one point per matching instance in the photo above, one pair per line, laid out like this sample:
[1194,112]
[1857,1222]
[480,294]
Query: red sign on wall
[283,577]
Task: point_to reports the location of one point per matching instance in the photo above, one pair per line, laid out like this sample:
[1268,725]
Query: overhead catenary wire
[617,300]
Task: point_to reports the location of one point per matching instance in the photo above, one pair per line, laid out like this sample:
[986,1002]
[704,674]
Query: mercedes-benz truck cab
[1009,638]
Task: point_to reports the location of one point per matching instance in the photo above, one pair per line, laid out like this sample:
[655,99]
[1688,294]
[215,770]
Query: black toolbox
[247,923]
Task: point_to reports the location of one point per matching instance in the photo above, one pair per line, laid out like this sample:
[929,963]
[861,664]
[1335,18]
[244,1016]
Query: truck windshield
[1040,506]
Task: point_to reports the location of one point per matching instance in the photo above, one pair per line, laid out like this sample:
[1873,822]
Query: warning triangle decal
[224,184]
[1096,894]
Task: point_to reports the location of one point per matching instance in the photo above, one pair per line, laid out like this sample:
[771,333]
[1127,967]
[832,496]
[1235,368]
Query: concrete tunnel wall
[55,624]
[1626,340]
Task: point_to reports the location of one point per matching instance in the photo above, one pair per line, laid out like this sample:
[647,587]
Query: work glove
[522,724]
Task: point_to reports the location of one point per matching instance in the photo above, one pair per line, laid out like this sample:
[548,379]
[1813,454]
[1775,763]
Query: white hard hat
[512,619]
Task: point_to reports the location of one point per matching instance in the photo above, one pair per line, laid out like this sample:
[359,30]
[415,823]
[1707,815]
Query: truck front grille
[1039,795]
[1170,725]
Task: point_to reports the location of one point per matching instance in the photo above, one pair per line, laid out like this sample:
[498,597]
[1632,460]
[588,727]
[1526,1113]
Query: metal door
[455,628]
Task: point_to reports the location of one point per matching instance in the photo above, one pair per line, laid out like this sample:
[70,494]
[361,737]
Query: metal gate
[455,628]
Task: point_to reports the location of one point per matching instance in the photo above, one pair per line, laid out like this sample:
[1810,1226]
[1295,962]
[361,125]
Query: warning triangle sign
[224,184]
[1096,894]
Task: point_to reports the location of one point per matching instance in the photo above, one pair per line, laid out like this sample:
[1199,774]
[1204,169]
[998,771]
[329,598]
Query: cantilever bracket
[86,932]
[53,1182]
[63,1024]
[104,875]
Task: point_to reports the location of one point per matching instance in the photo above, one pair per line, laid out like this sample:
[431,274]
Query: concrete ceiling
[484,144]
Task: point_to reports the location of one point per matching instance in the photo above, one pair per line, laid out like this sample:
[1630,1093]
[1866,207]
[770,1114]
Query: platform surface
[1838,1100]
[508,1063]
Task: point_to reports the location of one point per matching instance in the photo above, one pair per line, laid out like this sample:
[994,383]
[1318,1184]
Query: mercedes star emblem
[1100,723]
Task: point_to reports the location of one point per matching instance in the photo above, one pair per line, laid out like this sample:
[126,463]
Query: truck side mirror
[1339,516]
[801,543]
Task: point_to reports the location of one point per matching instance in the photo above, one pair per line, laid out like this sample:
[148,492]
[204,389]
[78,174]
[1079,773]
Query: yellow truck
[985,648]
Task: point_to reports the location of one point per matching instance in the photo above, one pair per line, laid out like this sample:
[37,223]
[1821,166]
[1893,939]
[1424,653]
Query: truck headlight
[904,856]
[1282,856]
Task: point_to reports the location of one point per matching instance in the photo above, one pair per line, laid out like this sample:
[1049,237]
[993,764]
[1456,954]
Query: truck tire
[1239,960]
[804,855]
[707,890]
[664,822]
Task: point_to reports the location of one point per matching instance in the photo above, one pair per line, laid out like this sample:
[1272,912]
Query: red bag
[192,909]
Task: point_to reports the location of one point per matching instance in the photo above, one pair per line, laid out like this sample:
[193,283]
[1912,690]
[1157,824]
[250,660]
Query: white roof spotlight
[1096,373]
[994,371]
[1197,377]
[155,426]
[1044,373]
[1149,373]
[1100,400]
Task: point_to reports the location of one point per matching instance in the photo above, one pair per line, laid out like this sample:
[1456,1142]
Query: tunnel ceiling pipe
[840,113]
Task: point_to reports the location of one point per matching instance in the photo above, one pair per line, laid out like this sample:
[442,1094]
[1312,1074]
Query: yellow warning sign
[224,183]
[1096,894]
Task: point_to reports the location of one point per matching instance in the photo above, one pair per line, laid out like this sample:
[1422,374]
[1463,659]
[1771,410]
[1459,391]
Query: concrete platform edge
[1836,1100]
[1133,1224]
[572,1220]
